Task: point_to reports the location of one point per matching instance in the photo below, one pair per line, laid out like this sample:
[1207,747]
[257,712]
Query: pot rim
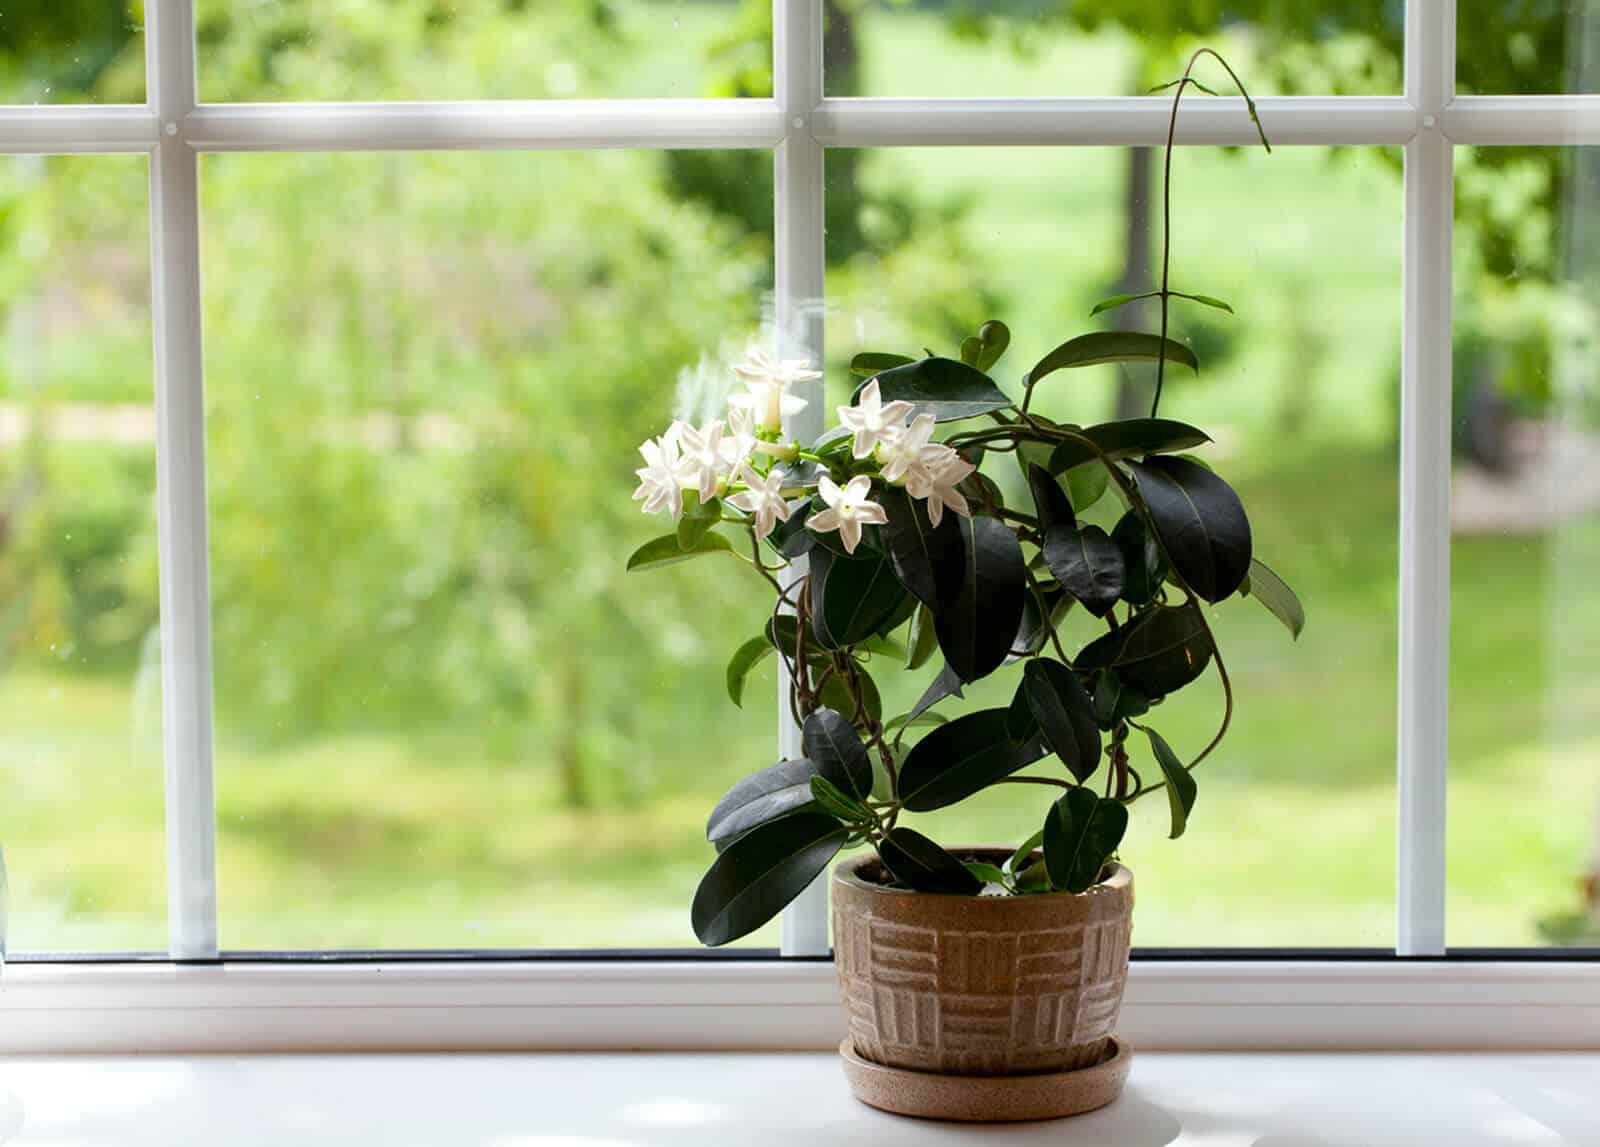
[845,873]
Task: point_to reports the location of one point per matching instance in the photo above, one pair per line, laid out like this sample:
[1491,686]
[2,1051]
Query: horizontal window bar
[108,130]
[1522,119]
[486,124]
[1136,121]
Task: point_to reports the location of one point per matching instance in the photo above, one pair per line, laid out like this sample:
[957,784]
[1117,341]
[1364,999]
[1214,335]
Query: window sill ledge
[708,1100]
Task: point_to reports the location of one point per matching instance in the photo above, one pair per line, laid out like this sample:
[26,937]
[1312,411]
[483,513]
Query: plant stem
[1044,613]
[1034,781]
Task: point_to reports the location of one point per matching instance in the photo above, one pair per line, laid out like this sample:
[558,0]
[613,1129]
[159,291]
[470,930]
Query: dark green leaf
[947,389]
[971,348]
[977,621]
[834,442]
[1081,831]
[1125,439]
[909,721]
[754,877]
[744,659]
[663,551]
[1115,702]
[1111,346]
[1064,714]
[986,873]
[697,520]
[995,337]
[774,791]
[1024,850]
[790,538]
[1274,593]
[956,760]
[947,684]
[1050,500]
[923,866]
[836,693]
[1088,565]
[923,640]
[869,363]
[1142,559]
[1051,601]
[1021,724]
[1158,652]
[1200,521]
[852,597]
[1180,782]
[1086,484]
[829,741]
[831,798]
[925,557]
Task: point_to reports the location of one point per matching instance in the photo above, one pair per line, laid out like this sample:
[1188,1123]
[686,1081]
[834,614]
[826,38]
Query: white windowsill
[739,1099]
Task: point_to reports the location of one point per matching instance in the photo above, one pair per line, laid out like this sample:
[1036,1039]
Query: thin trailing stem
[1035,781]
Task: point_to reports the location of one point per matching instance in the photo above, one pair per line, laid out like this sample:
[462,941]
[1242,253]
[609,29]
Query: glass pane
[1524,827]
[1016,48]
[1291,842]
[80,661]
[482,49]
[447,717]
[71,52]
[1527,49]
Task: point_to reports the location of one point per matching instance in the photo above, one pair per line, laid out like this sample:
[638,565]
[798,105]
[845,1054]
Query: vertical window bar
[799,259]
[1425,485]
[180,487]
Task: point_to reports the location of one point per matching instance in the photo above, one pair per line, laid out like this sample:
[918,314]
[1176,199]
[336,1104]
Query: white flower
[872,419]
[941,488]
[909,450]
[848,510]
[740,441]
[762,498]
[703,457]
[662,477]
[769,380]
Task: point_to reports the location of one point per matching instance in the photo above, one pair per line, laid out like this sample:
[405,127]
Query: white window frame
[199,1002]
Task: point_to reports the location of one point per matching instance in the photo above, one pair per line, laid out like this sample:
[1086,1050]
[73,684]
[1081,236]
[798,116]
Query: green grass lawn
[442,836]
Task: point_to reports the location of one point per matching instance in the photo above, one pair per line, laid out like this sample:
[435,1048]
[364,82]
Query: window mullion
[799,260]
[1425,486]
[180,487]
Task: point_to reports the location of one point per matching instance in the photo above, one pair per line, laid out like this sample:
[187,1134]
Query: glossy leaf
[836,693]
[1111,346]
[1208,300]
[986,873]
[947,684]
[1050,501]
[1115,301]
[1052,602]
[947,389]
[744,659]
[994,336]
[831,798]
[1022,853]
[1064,714]
[1180,782]
[1200,521]
[1081,831]
[1088,565]
[923,866]
[971,348]
[754,877]
[922,640]
[926,558]
[1114,701]
[1086,484]
[956,760]
[906,719]
[1159,652]
[1144,564]
[977,620]
[790,538]
[663,551]
[698,518]
[851,597]
[1274,593]
[829,741]
[869,363]
[774,791]
[1132,437]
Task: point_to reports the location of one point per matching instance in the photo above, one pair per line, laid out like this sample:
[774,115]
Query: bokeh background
[445,715]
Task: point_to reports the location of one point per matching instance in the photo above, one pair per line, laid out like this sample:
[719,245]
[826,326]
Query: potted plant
[979,983]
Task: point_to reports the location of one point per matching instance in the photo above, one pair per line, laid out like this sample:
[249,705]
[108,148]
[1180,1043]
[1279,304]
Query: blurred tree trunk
[569,744]
[1133,392]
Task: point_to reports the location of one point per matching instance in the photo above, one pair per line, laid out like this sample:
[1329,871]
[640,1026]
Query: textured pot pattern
[981,985]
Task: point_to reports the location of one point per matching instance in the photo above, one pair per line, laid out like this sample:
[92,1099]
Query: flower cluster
[737,458]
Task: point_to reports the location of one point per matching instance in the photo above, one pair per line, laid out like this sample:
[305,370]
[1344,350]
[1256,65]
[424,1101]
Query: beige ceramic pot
[983,986]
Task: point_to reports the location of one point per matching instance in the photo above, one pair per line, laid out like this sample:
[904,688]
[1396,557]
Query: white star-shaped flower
[662,477]
[848,510]
[763,498]
[873,420]
[703,457]
[739,441]
[941,487]
[909,451]
[769,380]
